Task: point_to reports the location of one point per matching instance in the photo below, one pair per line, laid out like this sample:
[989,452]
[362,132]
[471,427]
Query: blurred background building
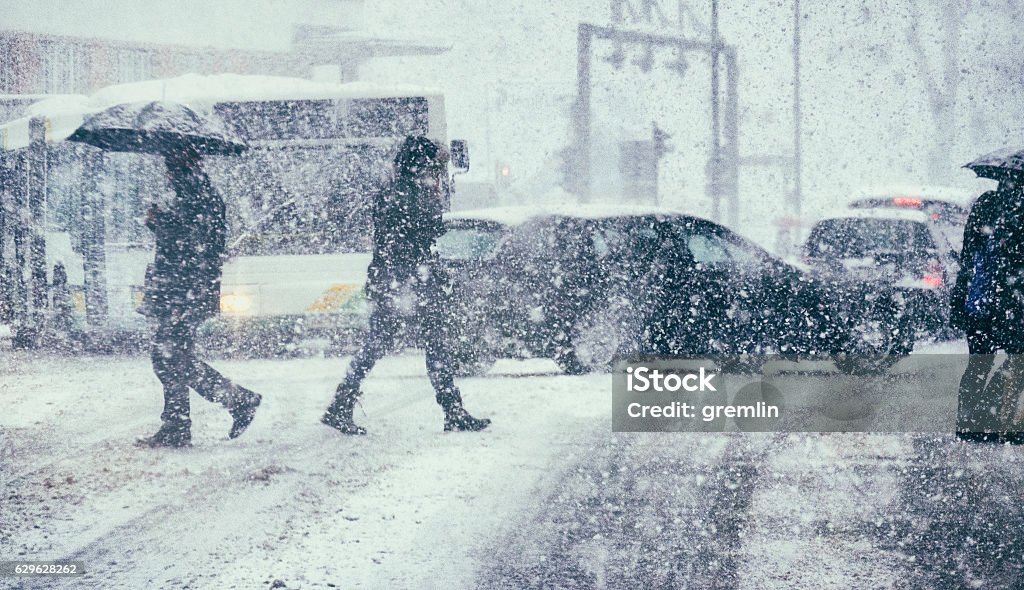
[59,47]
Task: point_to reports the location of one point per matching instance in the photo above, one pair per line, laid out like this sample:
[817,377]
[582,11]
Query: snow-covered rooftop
[66,113]
[194,88]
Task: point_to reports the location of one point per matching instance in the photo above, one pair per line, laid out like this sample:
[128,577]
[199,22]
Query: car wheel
[597,339]
[878,338]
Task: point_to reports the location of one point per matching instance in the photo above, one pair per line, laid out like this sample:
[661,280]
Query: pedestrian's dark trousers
[386,321]
[978,399]
[177,368]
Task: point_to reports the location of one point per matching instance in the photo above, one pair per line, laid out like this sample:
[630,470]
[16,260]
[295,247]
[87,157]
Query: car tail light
[906,201]
[933,278]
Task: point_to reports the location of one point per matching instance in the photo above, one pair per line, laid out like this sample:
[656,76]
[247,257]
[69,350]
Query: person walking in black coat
[405,283]
[182,291]
[986,302]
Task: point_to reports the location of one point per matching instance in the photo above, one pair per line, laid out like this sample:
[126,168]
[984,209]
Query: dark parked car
[903,260]
[583,285]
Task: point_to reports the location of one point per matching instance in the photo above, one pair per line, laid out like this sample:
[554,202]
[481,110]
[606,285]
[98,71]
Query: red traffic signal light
[503,174]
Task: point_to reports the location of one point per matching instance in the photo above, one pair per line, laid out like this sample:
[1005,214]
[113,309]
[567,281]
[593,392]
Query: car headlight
[237,303]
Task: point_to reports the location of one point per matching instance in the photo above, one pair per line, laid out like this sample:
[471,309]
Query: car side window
[532,244]
[707,249]
[950,237]
[744,254]
[468,242]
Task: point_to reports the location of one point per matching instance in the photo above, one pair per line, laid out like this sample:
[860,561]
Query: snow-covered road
[548,496]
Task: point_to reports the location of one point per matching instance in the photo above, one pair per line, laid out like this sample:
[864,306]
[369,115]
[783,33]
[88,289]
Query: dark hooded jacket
[981,220]
[184,280]
[999,215]
[407,219]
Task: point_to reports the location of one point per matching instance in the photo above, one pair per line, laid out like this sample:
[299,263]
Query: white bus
[298,202]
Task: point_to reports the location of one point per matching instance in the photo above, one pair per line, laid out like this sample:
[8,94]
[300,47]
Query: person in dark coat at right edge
[405,272]
[987,303]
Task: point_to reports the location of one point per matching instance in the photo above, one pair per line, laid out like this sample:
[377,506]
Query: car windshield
[947,218]
[326,227]
[857,238]
[468,243]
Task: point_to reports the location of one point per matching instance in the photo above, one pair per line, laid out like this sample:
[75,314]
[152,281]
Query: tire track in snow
[644,511]
[963,512]
[823,511]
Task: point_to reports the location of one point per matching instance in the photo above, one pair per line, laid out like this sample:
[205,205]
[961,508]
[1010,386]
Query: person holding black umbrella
[182,291]
[987,303]
[405,273]
[183,283]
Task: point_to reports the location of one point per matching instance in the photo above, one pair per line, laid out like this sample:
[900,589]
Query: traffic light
[503,175]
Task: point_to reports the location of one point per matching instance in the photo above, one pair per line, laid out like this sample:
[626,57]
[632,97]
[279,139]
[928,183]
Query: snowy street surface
[547,497]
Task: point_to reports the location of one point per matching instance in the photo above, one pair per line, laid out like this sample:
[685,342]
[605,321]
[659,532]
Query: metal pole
[714,170]
[582,114]
[797,148]
[37,213]
[730,164]
[20,232]
[94,241]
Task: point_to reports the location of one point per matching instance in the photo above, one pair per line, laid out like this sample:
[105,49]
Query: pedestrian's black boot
[977,437]
[1012,437]
[457,419]
[339,415]
[243,411]
[176,433]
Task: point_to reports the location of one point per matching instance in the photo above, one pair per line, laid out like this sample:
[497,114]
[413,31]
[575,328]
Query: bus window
[311,200]
[277,120]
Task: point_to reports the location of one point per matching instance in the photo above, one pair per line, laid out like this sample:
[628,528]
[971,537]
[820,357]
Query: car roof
[894,214]
[518,215]
[504,215]
[956,196]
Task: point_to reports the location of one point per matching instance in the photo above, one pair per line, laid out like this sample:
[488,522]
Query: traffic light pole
[722,165]
[716,119]
[581,116]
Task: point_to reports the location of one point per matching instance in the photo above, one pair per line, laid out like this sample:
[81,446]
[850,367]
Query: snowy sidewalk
[405,506]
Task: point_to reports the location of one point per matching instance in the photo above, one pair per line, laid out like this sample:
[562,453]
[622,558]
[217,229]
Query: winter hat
[416,154]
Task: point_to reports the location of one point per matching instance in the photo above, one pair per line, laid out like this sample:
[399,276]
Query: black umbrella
[158,128]
[999,163]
